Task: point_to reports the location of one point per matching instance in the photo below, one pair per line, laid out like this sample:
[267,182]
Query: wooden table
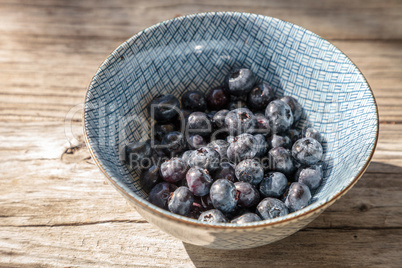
[56,209]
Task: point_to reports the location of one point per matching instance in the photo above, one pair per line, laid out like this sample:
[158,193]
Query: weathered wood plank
[120,244]
[331,19]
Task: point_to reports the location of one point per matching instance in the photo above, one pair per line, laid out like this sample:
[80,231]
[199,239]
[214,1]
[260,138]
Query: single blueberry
[174,143]
[250,170]
[260,96]
[199,123]
[217,98]
[240,81]
[313,133]
[262,145]
[248,195]
[279,141]
[186,156]
[196,141]
[270,208]
[164,108]
[294,106]
[199,181]
[307,151]
[135,154]
[223,195]
[279,115]
[246,218]
[194,100]
[242,147]
[160,194]
[240,121]
[213,216]
[219,118]
[180,201]
[226,171]
[173,170]
[310,177]
[221,146]
[298,196]
[230,139]
[149,178]
[281,160]
[262,126]
[273,185]
[205,158]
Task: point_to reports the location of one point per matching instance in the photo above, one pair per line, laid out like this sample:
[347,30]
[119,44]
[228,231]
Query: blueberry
[307,151]
[279,115]
[199,123]
[164,108]
[240,121]
[186,156]
[135,153]
[174,143]
[318,168]
[194,100]
[157,149]
[217,98]
[240,81]
[262,126]
[236,104]
[205,158]
[223,195]
[260,96]
[160,194]
[230,139]
[262,145]
[298,196]
[273,185]
[160,130]
[199,181]
[281,160]
[200,204]
[213,216]
[250,171]
[221,146]
[270,208]
[246,218]
[180,201]
[226,171]
[149,178]
[248,195]
[294,135]
[294,106]
[219,118]
[313,133]
[279,141]
[310,177]
[196,141]
[173,170]
[242,147]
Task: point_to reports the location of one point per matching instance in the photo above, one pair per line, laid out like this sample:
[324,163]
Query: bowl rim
[144,204]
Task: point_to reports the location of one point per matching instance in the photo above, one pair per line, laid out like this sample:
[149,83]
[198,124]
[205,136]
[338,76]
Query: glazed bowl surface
[195,52]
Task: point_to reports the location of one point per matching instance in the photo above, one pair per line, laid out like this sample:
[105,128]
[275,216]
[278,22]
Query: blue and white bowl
[195,52]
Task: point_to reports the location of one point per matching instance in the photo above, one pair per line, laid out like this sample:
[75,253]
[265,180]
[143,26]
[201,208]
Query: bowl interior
[196,52]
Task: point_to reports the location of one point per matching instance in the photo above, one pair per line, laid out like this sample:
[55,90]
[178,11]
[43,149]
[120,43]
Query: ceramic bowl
[195,52]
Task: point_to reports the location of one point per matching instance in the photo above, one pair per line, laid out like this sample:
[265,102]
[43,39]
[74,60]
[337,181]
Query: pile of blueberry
[233,155]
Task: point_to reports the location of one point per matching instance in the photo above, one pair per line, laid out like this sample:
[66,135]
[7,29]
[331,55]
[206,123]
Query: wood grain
[57,210]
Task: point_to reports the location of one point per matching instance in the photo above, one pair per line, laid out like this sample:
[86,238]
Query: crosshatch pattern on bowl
[196,52]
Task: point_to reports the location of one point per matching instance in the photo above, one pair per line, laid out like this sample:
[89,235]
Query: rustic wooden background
[56,209]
